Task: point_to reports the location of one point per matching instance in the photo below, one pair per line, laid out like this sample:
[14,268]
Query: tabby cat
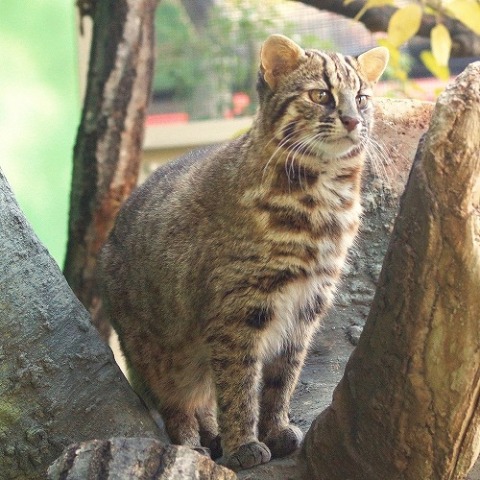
[221,264]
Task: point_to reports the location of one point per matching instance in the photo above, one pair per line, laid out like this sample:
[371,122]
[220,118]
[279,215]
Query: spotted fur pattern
[221,265]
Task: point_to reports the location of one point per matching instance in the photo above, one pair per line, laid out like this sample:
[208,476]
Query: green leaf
[441,72]
[441,44]
[404,24]
[467,12]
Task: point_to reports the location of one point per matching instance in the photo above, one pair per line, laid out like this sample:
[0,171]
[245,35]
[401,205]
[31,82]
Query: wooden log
[407,405]
[135,458]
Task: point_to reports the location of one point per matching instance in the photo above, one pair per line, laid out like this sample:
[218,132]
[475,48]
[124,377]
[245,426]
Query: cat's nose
[349,122]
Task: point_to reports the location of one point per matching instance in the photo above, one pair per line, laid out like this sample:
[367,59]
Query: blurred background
[39,111]
[204,86]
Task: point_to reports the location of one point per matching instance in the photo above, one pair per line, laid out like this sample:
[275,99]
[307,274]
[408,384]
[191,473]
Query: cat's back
[153,202]
[164,181]
[147,212]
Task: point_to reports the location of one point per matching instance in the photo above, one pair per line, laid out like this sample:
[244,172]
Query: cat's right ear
[279,56]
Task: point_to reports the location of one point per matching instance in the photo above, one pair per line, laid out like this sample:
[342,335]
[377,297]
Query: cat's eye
[362,101]
[322,97]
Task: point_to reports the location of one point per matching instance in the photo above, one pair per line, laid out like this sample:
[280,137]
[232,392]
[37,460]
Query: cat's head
[317,100]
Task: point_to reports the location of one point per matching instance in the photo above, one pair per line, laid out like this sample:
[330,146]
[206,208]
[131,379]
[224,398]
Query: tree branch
[465,43]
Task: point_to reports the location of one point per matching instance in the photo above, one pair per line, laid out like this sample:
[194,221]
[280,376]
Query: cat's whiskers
[308,143]
[280,147]
[301,147]
[298,147]
[378,159]
[289,163]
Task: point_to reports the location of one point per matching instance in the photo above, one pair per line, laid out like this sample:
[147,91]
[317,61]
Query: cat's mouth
[348,139]
[353,136]
[341,146]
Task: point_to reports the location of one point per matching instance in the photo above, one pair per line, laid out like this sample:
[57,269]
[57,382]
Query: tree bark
[58,380]
[407,405]
[465,43]
[108,147]
[129,458]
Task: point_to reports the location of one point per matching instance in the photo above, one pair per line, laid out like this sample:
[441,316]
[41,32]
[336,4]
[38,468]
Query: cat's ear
[279,56]
[373,63]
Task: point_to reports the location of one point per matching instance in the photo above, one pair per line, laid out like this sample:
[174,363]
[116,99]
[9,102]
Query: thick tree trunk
[109,140]
[407,406]
[58,380]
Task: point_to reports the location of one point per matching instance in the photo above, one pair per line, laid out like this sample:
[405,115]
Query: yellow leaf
[378,3]
[393,50]
[467,12]
[441,72]
[441,44]
[400,74]
[404,24]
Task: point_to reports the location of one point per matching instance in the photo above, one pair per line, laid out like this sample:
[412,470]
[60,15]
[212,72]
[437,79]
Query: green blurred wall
[39,111]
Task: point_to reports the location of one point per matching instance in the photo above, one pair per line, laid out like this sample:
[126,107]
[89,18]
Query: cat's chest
[293,311]
[314,207]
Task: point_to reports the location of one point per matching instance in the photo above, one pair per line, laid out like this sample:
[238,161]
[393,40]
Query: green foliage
[176,67]
[224,57]
[225,53]
[39,112]
[314,41]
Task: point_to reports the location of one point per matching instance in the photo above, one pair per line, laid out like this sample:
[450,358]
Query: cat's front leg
[237,370]
[280,376]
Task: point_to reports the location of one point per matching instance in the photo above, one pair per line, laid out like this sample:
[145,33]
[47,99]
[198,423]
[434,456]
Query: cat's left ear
[373,63]
[279,56]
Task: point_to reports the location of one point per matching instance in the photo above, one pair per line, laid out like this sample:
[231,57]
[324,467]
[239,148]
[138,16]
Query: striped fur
[221,265]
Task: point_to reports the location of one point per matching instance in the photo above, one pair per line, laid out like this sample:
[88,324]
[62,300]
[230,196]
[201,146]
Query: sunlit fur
[221,265]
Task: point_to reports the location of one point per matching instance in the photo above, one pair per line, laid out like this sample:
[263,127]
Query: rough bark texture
[58,381]
[407,405]
[465,43]
[109,139]
[132,458]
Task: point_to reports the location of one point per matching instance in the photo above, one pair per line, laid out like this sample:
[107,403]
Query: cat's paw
[246,456]
[284,442]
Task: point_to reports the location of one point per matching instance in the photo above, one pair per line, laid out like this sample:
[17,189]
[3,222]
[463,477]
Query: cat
[222,263]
